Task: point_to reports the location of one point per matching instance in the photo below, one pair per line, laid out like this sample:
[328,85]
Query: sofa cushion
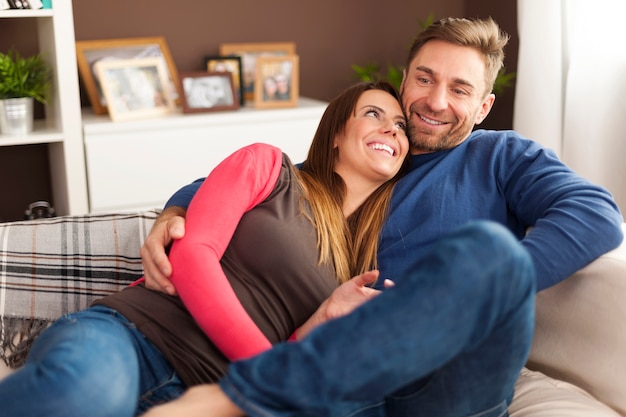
[54,266]
[580,334]
[537,395]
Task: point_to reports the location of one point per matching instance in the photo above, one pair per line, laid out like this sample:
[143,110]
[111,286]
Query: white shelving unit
[62,128]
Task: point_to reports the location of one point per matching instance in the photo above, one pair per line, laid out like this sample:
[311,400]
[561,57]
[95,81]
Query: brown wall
[330,36]
[505,13]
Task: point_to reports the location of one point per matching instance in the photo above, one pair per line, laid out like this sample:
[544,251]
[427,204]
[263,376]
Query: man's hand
[347,297]
[170,225]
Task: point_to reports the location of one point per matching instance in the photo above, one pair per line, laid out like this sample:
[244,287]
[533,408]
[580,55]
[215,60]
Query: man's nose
[437,98]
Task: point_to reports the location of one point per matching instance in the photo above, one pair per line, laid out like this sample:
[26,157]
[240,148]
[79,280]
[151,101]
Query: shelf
[40,134]
[61,130]
[102,123]
[26,13]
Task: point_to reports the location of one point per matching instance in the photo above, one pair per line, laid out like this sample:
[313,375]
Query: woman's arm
[235,186]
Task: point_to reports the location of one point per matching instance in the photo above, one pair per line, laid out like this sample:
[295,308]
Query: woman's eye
[401,125]
[372,112]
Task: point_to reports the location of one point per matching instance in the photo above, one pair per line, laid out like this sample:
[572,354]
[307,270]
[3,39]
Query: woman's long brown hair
[352,243]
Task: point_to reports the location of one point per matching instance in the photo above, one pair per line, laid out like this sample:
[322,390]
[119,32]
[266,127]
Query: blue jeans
[448,341]
[91,363]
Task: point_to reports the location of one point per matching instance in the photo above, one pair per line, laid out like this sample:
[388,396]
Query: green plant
[24,77]
[393,75]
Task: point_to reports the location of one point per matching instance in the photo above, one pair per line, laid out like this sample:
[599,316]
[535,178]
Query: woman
[266,244]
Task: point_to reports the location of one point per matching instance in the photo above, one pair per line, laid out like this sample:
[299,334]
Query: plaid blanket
[51,267]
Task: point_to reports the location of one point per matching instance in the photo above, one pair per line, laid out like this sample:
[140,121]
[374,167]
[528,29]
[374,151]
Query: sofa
[577,366]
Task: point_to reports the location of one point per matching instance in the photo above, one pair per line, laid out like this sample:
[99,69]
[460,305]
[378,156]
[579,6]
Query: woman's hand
[347,297]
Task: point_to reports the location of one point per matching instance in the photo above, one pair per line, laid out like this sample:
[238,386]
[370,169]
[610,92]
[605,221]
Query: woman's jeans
[447,341]
[92,363]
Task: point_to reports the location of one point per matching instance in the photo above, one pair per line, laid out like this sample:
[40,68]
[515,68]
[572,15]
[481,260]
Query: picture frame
[91,51]
[135,88]
[231,64]
[277,81]
[206,91]
[249,53]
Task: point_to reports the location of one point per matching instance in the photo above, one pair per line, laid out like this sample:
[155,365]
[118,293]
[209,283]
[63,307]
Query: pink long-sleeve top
[247,271]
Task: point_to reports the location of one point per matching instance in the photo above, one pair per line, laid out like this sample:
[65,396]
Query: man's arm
[170,225]
[573,220]
[182,198]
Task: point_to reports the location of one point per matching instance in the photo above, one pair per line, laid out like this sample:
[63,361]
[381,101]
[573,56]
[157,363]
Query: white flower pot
[16,116]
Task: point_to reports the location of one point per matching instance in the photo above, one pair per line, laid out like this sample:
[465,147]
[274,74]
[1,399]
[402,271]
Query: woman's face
[374,144]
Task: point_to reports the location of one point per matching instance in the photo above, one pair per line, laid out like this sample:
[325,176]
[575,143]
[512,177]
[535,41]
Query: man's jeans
[449,340]
[90,363]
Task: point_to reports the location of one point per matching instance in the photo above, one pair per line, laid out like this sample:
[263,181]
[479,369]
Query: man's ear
[403,80]
[485,108]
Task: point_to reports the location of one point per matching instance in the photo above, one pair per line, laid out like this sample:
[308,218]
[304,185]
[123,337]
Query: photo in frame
[88,53]
[230,64]
[277,81]
[249,52]
[208,91]
[135,88]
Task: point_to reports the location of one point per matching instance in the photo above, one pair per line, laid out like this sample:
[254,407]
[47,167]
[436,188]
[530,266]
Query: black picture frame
[229,63]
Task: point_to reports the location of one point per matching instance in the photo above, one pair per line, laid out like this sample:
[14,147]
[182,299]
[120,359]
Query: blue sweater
[498,176]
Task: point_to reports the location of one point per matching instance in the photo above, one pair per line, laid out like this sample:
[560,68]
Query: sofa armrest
[580,334]
[50,267]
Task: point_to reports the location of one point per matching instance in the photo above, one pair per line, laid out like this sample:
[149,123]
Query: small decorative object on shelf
[206,91]
[90,52]
[22,80]
[135,88]
[277,82]
[230,64]
[39,210]
[249,52]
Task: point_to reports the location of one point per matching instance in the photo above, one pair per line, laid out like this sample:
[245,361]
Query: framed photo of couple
[249,53]
[276,81]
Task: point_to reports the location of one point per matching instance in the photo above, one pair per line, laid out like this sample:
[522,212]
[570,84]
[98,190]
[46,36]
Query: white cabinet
[140,164]
[61,129]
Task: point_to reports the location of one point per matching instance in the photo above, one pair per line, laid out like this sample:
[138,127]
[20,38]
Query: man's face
[444,95]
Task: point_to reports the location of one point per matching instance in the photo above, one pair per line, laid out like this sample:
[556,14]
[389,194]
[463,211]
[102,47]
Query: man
[456,176]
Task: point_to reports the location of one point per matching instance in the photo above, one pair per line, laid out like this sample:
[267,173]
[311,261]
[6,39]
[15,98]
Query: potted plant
[22,80]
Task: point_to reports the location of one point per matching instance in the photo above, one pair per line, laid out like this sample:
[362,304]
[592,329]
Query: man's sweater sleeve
[573,221]
[183,196]
[240,182]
